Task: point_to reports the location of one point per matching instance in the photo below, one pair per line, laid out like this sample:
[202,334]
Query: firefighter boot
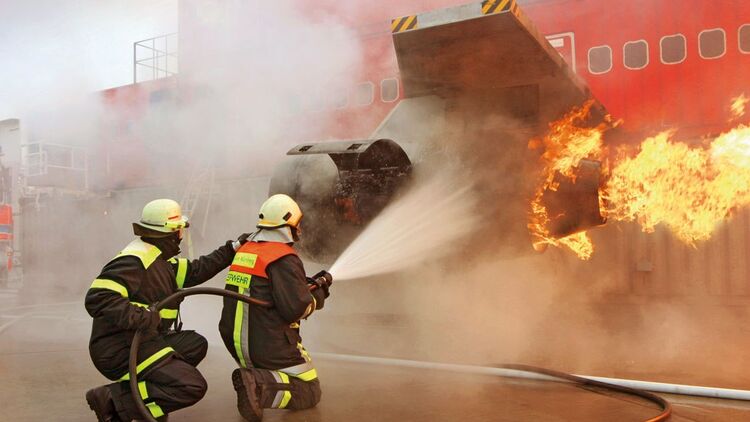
[100,401]
[248,395]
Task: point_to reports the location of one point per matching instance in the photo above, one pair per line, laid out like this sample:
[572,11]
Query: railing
[155,58]
[54,166]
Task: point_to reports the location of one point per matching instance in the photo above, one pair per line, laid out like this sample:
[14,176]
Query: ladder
[200,183]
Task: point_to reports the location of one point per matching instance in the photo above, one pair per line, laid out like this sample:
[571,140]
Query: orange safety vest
[253,258]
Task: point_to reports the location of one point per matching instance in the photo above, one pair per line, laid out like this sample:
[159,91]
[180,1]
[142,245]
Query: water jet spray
[417,227]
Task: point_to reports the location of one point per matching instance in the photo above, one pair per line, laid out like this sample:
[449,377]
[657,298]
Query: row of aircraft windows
[712,44]
[364,94]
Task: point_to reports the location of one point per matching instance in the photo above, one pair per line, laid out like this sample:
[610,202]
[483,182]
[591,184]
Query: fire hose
[173,298]
[666,408]
[525,372]
[181,294]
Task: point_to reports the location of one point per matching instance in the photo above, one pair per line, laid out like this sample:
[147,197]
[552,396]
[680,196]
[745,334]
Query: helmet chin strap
[295,233]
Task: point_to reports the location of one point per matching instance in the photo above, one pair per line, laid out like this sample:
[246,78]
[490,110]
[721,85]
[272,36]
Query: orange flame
[689,189]
[565,145]
[738,107]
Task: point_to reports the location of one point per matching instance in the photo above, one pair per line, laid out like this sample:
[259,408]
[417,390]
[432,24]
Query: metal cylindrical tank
[340,186]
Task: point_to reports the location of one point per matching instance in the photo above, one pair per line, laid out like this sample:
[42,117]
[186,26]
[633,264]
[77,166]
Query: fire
[738,106]
[688,188]
[567,143]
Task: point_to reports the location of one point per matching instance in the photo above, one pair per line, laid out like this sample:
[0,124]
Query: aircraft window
[340,99]
[635,54]
[673,49]
[745,38]
[364,94]
[389,90]
[713,43]
[600,59]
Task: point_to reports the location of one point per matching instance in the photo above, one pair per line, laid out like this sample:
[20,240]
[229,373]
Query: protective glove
[323,279]
[241,240]
[150,319]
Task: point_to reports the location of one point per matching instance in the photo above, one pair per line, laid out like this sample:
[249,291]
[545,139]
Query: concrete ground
[45,371]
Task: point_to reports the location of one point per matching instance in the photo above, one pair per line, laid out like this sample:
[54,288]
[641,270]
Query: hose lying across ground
[663,404]
[181,294]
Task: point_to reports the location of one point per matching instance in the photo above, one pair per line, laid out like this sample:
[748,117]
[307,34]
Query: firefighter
[144,273]
[275,369]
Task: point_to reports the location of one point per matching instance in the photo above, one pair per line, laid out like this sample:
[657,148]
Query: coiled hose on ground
[179,295]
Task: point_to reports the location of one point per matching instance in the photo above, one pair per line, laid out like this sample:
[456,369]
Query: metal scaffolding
[155,58]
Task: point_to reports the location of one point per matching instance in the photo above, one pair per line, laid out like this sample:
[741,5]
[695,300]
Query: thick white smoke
[251,76]
[55,53]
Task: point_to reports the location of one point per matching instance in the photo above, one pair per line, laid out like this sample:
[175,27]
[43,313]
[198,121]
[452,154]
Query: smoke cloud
[251,73]
[57,52]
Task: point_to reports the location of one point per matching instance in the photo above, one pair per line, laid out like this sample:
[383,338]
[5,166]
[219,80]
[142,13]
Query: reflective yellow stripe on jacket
[164,313]
[146,252]
[100,283]
[182,265]
[237,332]
[123,291]
[242,281]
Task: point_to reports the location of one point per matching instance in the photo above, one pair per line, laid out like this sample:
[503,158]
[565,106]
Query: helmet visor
[177,225]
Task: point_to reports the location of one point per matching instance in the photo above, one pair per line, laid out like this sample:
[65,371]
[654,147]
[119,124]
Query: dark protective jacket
[117,300]
[268,337]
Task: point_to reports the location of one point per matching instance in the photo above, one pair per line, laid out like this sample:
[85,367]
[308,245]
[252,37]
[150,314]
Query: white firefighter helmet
[279,211]
[163,215]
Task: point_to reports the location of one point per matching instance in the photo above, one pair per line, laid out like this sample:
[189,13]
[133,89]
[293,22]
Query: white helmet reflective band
[163,215]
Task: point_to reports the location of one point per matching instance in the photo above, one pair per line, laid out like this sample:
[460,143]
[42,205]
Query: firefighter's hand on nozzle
[323,279]
[325,275]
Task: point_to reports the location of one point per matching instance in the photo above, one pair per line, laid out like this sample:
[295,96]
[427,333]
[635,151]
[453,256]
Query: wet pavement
[45,371]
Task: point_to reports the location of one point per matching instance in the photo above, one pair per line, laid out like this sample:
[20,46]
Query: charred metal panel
[574,206]
[339,199]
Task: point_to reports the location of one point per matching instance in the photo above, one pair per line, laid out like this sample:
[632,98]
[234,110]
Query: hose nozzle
[323,280]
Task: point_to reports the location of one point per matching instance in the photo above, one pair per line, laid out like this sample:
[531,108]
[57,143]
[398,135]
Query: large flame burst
[567,143]
[689,189]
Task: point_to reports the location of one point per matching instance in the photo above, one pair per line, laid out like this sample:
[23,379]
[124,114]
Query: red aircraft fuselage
[655,64]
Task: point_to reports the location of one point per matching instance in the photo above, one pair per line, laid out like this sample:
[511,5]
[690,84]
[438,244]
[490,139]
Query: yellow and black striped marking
[496,6]
[402,24]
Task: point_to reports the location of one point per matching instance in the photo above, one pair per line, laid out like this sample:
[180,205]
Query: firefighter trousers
[280,390]
[171,385]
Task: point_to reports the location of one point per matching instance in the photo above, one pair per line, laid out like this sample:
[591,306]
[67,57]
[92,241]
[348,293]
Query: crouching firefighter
[144,273]
[275,369]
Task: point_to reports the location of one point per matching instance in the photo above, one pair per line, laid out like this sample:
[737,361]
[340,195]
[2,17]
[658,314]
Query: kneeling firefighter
[144,273]
[275,369]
